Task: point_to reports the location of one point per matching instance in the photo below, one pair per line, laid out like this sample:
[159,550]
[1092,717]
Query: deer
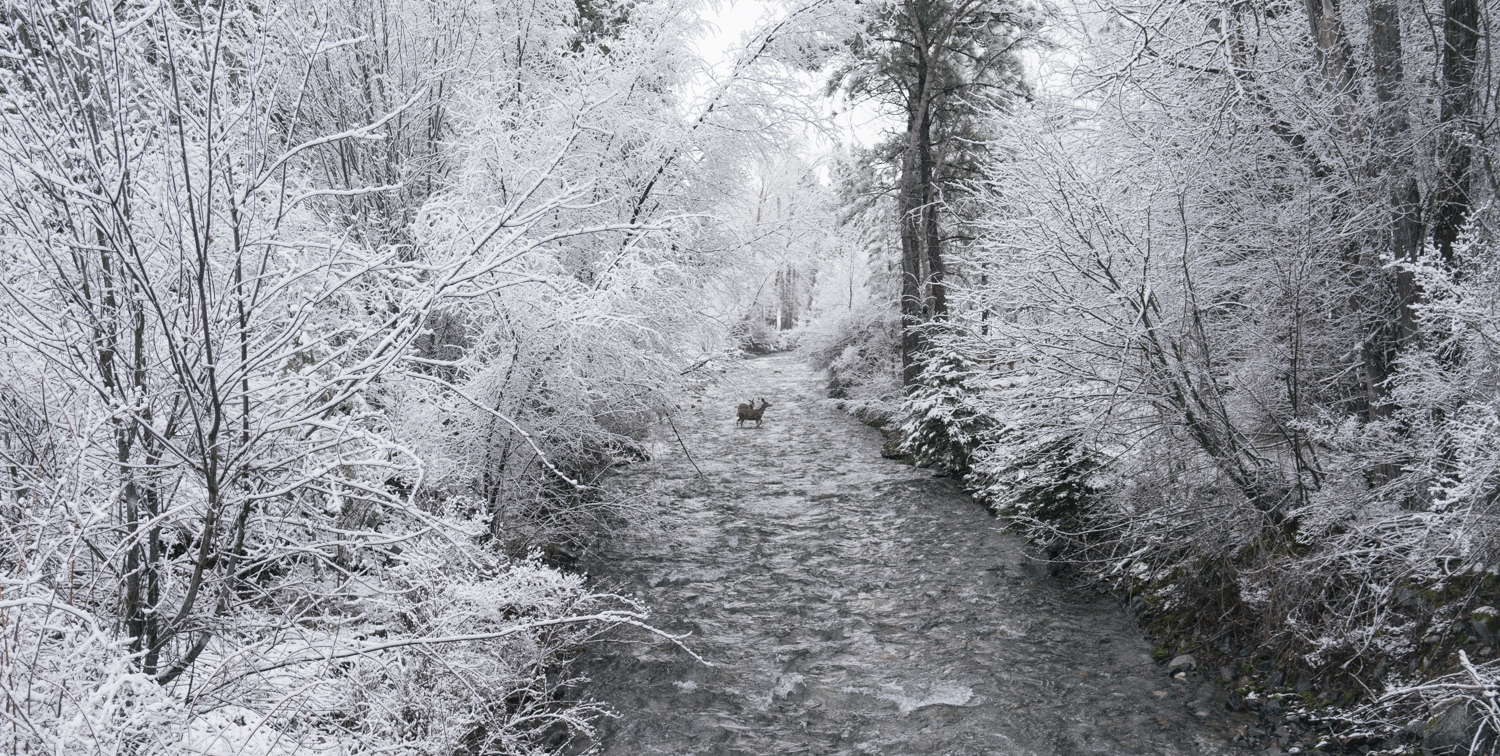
[751,412]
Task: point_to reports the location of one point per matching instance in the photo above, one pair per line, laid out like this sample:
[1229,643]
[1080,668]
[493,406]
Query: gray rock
[1405,596]
[1453,730]
[1482,619]
[1482,630]
[1226,673]
[1182,661]
[791,688]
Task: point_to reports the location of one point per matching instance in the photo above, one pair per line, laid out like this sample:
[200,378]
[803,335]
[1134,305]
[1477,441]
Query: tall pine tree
[942,64]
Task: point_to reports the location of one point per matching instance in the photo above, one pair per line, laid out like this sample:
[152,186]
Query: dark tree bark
[941,62]
[912,202]
[1399,176]
[1460,55]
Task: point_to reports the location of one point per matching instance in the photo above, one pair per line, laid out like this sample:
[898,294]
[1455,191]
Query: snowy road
[854,605]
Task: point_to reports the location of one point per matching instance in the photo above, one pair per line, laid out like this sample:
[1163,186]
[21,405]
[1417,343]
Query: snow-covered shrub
[269,482]
[860,349]
[427,648]
[1042,482]
[459,658]
[756,337]
[1447,388]
[973,415]
[1465,703]
[943,421]
[1370,549]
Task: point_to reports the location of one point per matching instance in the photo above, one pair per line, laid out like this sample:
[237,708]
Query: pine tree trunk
[1406,230]
[1460,54]
[913,195]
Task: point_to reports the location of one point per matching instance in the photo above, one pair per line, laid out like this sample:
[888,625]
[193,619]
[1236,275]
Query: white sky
[730,21]
[1049,70]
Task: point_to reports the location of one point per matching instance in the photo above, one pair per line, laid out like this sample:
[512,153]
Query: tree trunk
[1406,230]
[1460,54]
[915,180]
[1332,45]
[911,273]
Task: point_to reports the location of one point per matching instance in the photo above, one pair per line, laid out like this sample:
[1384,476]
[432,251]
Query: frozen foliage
[859,347]
[1222,328]
[943,426]
[435,652]
[1448,388]
[1469,719]
[320,321]
[855,333]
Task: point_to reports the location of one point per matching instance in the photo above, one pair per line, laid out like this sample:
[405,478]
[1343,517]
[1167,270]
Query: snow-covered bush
[860,349]
[755,337]
[1431,529]
[1447,388]
[1220,379]
[279,455]
[942,422]
[430,646]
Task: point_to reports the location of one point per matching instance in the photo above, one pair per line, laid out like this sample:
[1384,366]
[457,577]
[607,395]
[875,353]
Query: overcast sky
[731,21]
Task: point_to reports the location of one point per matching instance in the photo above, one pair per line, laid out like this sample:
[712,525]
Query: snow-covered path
[855,605]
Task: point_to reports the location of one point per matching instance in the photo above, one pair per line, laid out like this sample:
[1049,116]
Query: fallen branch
[619,618]
[684,447]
